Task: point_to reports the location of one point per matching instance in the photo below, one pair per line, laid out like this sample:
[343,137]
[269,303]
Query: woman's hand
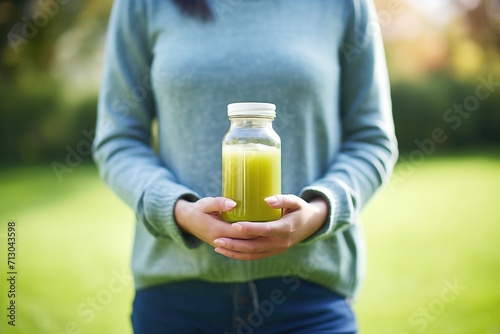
[203,219]
[300,220]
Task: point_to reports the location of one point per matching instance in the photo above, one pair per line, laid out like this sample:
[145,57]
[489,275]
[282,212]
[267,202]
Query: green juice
[250,173]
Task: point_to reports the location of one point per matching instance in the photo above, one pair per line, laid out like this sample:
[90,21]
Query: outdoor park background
[433,233]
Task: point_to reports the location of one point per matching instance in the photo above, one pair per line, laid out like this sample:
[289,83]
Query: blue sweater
[321,62]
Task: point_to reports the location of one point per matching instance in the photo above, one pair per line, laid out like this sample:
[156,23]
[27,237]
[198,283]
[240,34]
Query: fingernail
[219,242]
[229,204]
[237,227]
[271,200]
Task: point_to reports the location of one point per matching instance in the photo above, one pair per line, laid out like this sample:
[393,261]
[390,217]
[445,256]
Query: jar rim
[248,109]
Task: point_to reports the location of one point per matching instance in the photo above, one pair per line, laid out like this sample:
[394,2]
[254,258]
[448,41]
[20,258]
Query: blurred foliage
[423,106]
[440,55]
[33,31]
[51,58]
[37,125]
[484,23]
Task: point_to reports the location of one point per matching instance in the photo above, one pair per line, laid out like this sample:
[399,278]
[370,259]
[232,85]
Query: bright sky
[441,11]
[409,26]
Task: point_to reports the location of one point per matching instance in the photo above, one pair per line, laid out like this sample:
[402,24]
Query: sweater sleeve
[122,147]
[369,149]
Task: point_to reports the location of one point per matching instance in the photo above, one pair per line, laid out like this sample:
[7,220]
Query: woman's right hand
[203,219]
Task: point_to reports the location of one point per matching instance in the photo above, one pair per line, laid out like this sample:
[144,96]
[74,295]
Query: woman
[181,63]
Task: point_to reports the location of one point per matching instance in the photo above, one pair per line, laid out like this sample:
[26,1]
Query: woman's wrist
[320,212]
[180,208]
[321,204]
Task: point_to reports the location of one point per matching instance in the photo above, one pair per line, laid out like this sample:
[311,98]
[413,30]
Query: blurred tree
[484,22]
[31,30]
[51,53]
[48,75]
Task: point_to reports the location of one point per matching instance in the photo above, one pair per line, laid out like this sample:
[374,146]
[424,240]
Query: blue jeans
[267,306]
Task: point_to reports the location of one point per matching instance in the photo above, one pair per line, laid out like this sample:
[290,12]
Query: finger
[216,204]
[221,229]
[258,245]
[268,229]
[284,201]
[244,256]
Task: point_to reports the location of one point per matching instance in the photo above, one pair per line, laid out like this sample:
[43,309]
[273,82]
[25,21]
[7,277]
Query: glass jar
[251,162]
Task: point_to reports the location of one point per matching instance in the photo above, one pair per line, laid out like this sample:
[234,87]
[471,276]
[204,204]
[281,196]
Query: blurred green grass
[436,227]
[439,225]
[74,238]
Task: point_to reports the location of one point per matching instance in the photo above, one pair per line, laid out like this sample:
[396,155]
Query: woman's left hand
[300,220]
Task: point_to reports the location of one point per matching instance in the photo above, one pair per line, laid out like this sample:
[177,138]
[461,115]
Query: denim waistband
[271,305]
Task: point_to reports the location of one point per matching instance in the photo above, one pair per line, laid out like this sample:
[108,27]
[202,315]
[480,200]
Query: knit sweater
[321,62]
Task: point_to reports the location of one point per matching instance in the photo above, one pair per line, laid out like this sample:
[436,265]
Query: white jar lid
[251,109]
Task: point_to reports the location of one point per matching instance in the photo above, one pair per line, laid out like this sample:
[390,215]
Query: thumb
[284,201]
